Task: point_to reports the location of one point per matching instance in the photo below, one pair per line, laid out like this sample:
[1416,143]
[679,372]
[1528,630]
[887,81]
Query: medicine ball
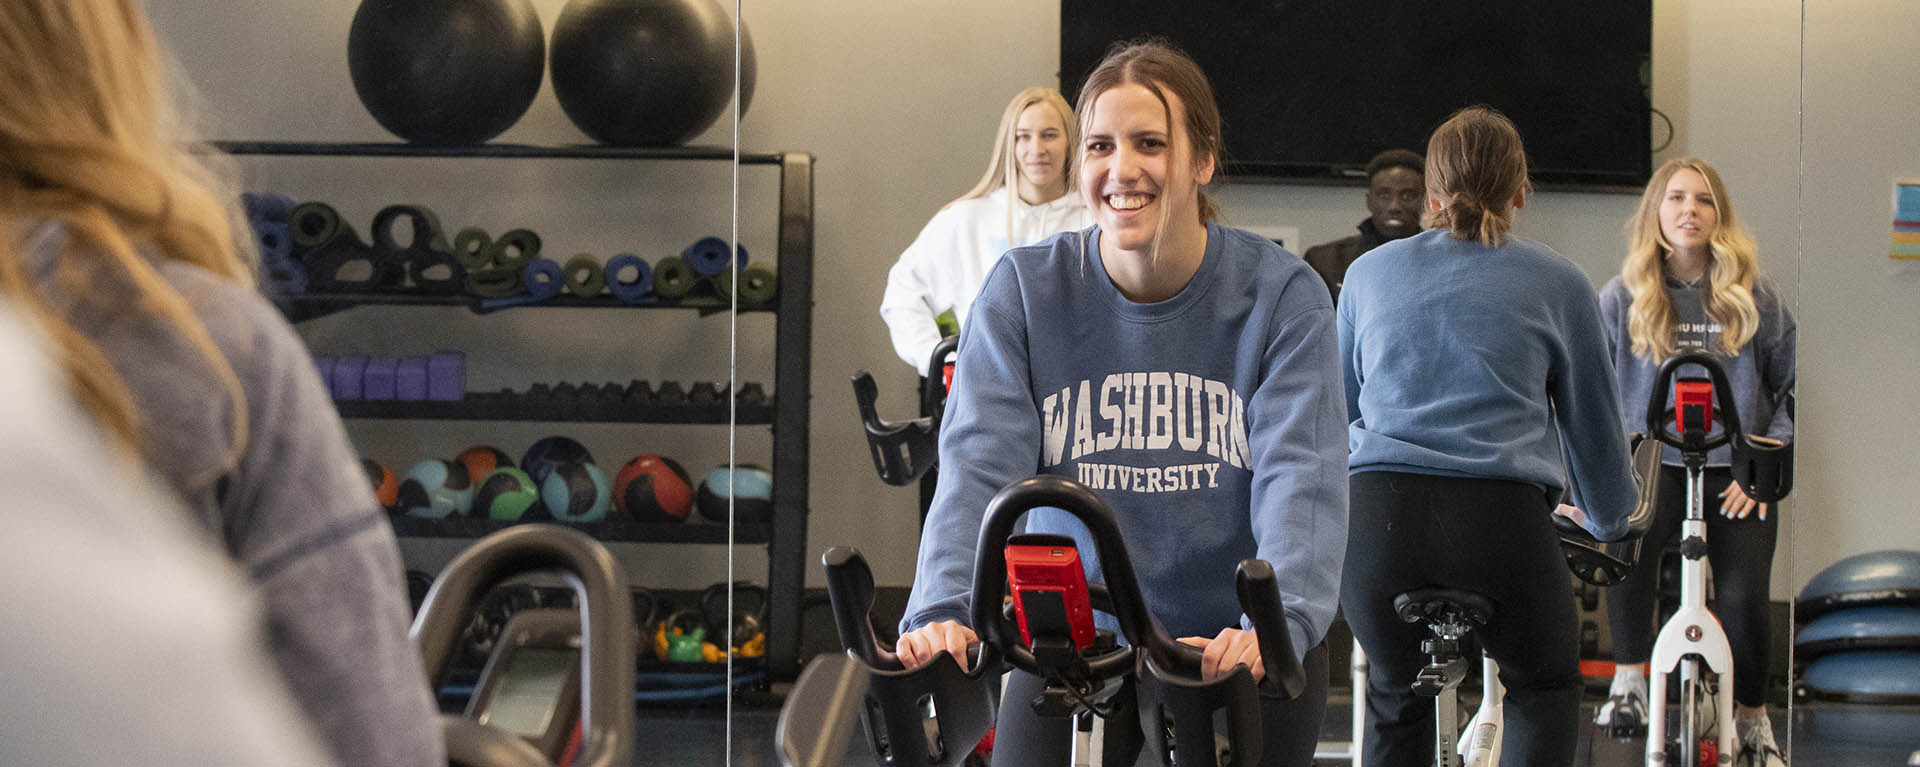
[481,460]
[752,490]
[647,72]
[434,489]
[653,488]
[506,494]
[577,492]
[446,71]
[386,487]
[543,455]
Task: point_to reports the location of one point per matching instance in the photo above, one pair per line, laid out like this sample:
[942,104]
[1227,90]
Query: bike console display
[1049,590]
[1693,405]
[531,684]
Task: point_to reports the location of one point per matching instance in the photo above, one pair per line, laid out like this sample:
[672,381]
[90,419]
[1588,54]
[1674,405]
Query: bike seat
[1443,605]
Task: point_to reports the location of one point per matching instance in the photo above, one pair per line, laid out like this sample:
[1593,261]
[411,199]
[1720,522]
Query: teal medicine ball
[752,490]
[434,489]
[577,491]
[506,494]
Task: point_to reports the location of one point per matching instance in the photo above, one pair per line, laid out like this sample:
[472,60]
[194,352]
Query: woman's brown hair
[1476,167]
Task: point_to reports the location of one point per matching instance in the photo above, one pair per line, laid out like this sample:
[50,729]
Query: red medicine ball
[653,488]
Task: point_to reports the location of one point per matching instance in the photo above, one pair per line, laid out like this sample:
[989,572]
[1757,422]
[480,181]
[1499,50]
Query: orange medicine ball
[653,488]
[386,486]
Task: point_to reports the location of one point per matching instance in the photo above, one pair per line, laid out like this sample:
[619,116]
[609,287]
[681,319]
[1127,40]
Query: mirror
[1857,401]
[900,100]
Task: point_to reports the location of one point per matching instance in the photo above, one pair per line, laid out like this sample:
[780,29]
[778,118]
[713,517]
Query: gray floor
[1823,735]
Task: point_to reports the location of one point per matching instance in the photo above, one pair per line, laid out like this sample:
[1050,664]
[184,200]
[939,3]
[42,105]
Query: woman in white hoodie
[1023,198]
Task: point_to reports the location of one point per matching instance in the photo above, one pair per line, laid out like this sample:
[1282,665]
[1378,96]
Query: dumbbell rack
[787,412]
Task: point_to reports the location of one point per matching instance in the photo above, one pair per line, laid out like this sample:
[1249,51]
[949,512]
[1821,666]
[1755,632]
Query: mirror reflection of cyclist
[1691,282]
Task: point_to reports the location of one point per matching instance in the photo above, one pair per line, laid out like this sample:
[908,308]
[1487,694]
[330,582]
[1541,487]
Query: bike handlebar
[1255,582]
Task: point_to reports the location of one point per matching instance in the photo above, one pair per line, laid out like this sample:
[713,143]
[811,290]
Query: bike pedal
[1627,730]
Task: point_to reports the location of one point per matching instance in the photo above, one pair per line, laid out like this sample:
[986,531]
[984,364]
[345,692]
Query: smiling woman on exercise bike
[1184,370]
[1472,357]
[1691,282]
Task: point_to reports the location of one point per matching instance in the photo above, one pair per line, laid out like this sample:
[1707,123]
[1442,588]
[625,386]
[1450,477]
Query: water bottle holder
[1763,467]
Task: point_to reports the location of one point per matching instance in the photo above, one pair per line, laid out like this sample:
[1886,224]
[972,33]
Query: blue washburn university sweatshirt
[1210,422]
[1469,361]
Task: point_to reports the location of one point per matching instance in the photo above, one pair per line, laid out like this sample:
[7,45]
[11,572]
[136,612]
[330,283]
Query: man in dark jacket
[1396,186]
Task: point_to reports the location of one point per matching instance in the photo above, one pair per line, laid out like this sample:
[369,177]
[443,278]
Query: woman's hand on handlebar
[1738,504]
[1231,647]
[922,644]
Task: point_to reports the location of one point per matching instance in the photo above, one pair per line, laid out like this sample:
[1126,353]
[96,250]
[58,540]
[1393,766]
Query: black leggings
[1741,553]
[1023,739]
[1493,537]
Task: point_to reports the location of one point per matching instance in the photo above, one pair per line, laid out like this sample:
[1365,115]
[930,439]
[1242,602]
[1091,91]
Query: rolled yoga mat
[630,292]
[504,267]
[472,245]
[267,206]
[543,279]
[708,256]
[584,276]
[425,257]
[758,285]
[673,277]
[313,224]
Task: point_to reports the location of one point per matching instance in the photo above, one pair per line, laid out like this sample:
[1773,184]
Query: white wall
[1859,310]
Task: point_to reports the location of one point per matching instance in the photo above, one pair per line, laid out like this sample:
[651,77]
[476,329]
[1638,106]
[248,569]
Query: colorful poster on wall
[1906,219]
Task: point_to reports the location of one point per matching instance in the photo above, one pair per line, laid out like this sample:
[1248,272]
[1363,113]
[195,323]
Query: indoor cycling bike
[557,688]
[1033,610]
[1450,616]
[1692,641]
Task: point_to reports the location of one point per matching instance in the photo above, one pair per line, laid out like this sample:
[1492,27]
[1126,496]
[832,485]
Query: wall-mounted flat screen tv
[1314,88]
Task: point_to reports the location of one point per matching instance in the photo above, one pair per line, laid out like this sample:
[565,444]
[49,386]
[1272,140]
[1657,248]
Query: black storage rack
[785,536]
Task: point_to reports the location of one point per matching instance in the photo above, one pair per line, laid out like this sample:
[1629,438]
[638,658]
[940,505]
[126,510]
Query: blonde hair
[1160,68]
[1003,166]
[1732,269]
[1476,166]
[90,143]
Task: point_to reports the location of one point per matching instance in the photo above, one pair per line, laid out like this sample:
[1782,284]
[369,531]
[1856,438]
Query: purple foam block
[410,379]
[447,376]
[349,376]
[379,380]
[323,364]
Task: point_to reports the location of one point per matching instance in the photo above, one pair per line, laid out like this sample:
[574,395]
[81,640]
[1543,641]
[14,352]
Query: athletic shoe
[1624,715]
[1756,748]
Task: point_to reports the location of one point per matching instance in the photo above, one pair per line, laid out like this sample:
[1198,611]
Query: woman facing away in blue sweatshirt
[1474,360]
[1184,370]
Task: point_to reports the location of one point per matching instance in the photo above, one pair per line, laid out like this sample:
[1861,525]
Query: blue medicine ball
[577,492]
[434,489]
[543,455]
[751,488]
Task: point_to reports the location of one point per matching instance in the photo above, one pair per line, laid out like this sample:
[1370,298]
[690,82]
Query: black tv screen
[1314,88]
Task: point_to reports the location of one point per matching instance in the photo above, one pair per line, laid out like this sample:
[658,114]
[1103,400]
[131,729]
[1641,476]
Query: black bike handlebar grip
[1259,593]
[1723,395]
[933,399]
[865,393]
[850,589]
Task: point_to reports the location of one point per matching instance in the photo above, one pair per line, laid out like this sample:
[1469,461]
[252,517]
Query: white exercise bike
[1692,642]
